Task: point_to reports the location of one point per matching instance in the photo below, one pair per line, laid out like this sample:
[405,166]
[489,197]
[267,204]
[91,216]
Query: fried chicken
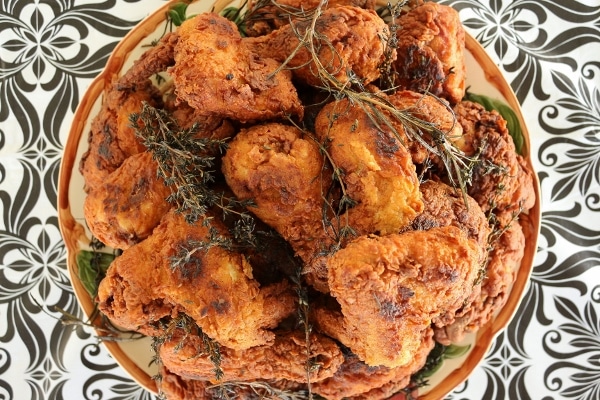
[156,59]
[430,52]
[112,139]
[217,74]
[173,387]
[286,358]
[129,204]
[212,285]
[266,18]
[375,167]
[445,206]
[433,111]
[505,259]
[500,180]
[284,175]
[390,289]
[351,47]
[357,380]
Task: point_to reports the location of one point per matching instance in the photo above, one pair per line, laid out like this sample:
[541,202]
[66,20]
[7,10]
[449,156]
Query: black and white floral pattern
[51,49]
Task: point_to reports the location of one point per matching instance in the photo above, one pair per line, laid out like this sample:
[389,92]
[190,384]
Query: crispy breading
[283,173]
[357,380]
[112,139]
[376,169]
[214,286]
[173,387]
[352,47]
[430,52]
[500,181]
[505,259]
[284,358]
[267,17]
[217,74]
[129,204]
[445,205]
[432,110]
[390,289]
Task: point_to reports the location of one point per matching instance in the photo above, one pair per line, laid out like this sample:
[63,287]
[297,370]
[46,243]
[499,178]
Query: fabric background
[550,53]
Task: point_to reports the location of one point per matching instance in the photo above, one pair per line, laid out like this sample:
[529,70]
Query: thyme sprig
[186,164]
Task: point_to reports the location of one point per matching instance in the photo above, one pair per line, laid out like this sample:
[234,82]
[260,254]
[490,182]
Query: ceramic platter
[483,77]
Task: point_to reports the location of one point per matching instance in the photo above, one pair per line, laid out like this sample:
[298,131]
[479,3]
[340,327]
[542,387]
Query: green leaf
[454,351]
[92,267]
[512,122]
[177,13]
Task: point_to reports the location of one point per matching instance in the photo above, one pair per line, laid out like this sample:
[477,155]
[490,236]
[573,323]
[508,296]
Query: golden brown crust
[214,287]
[357,380]
[267,18]
[376,168]
[217,74]
[501,182]
[284,358]
[353,47]
[128,205]
[431,45]
[282,171]
[390,289]
[112,138]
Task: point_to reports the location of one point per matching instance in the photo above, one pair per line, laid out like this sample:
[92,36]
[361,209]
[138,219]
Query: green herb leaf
[512,122]
[92,267]
[454,351]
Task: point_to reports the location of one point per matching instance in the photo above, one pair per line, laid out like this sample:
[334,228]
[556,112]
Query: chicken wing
[176,270]
[217,74]
[129,204]
[286,358]
[390,289]
[430,52]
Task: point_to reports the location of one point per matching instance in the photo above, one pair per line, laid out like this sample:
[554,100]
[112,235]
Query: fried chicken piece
[430,52]
[505,259]
[129,204]
[157,58]
[433,111]
[112,139]
[176,270]
[286,358]
[266,18]
[174,387]
[217,74]
[357,380]
[284,174]
[500,181]
[376,168]
[352,46]
[391,288]
[445,206]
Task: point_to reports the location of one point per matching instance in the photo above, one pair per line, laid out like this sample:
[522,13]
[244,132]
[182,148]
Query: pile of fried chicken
[372,253]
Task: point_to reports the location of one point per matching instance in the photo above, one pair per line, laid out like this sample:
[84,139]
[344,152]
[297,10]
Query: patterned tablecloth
[550,53]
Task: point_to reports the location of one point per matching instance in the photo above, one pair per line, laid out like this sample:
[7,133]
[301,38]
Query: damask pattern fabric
[50,50]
